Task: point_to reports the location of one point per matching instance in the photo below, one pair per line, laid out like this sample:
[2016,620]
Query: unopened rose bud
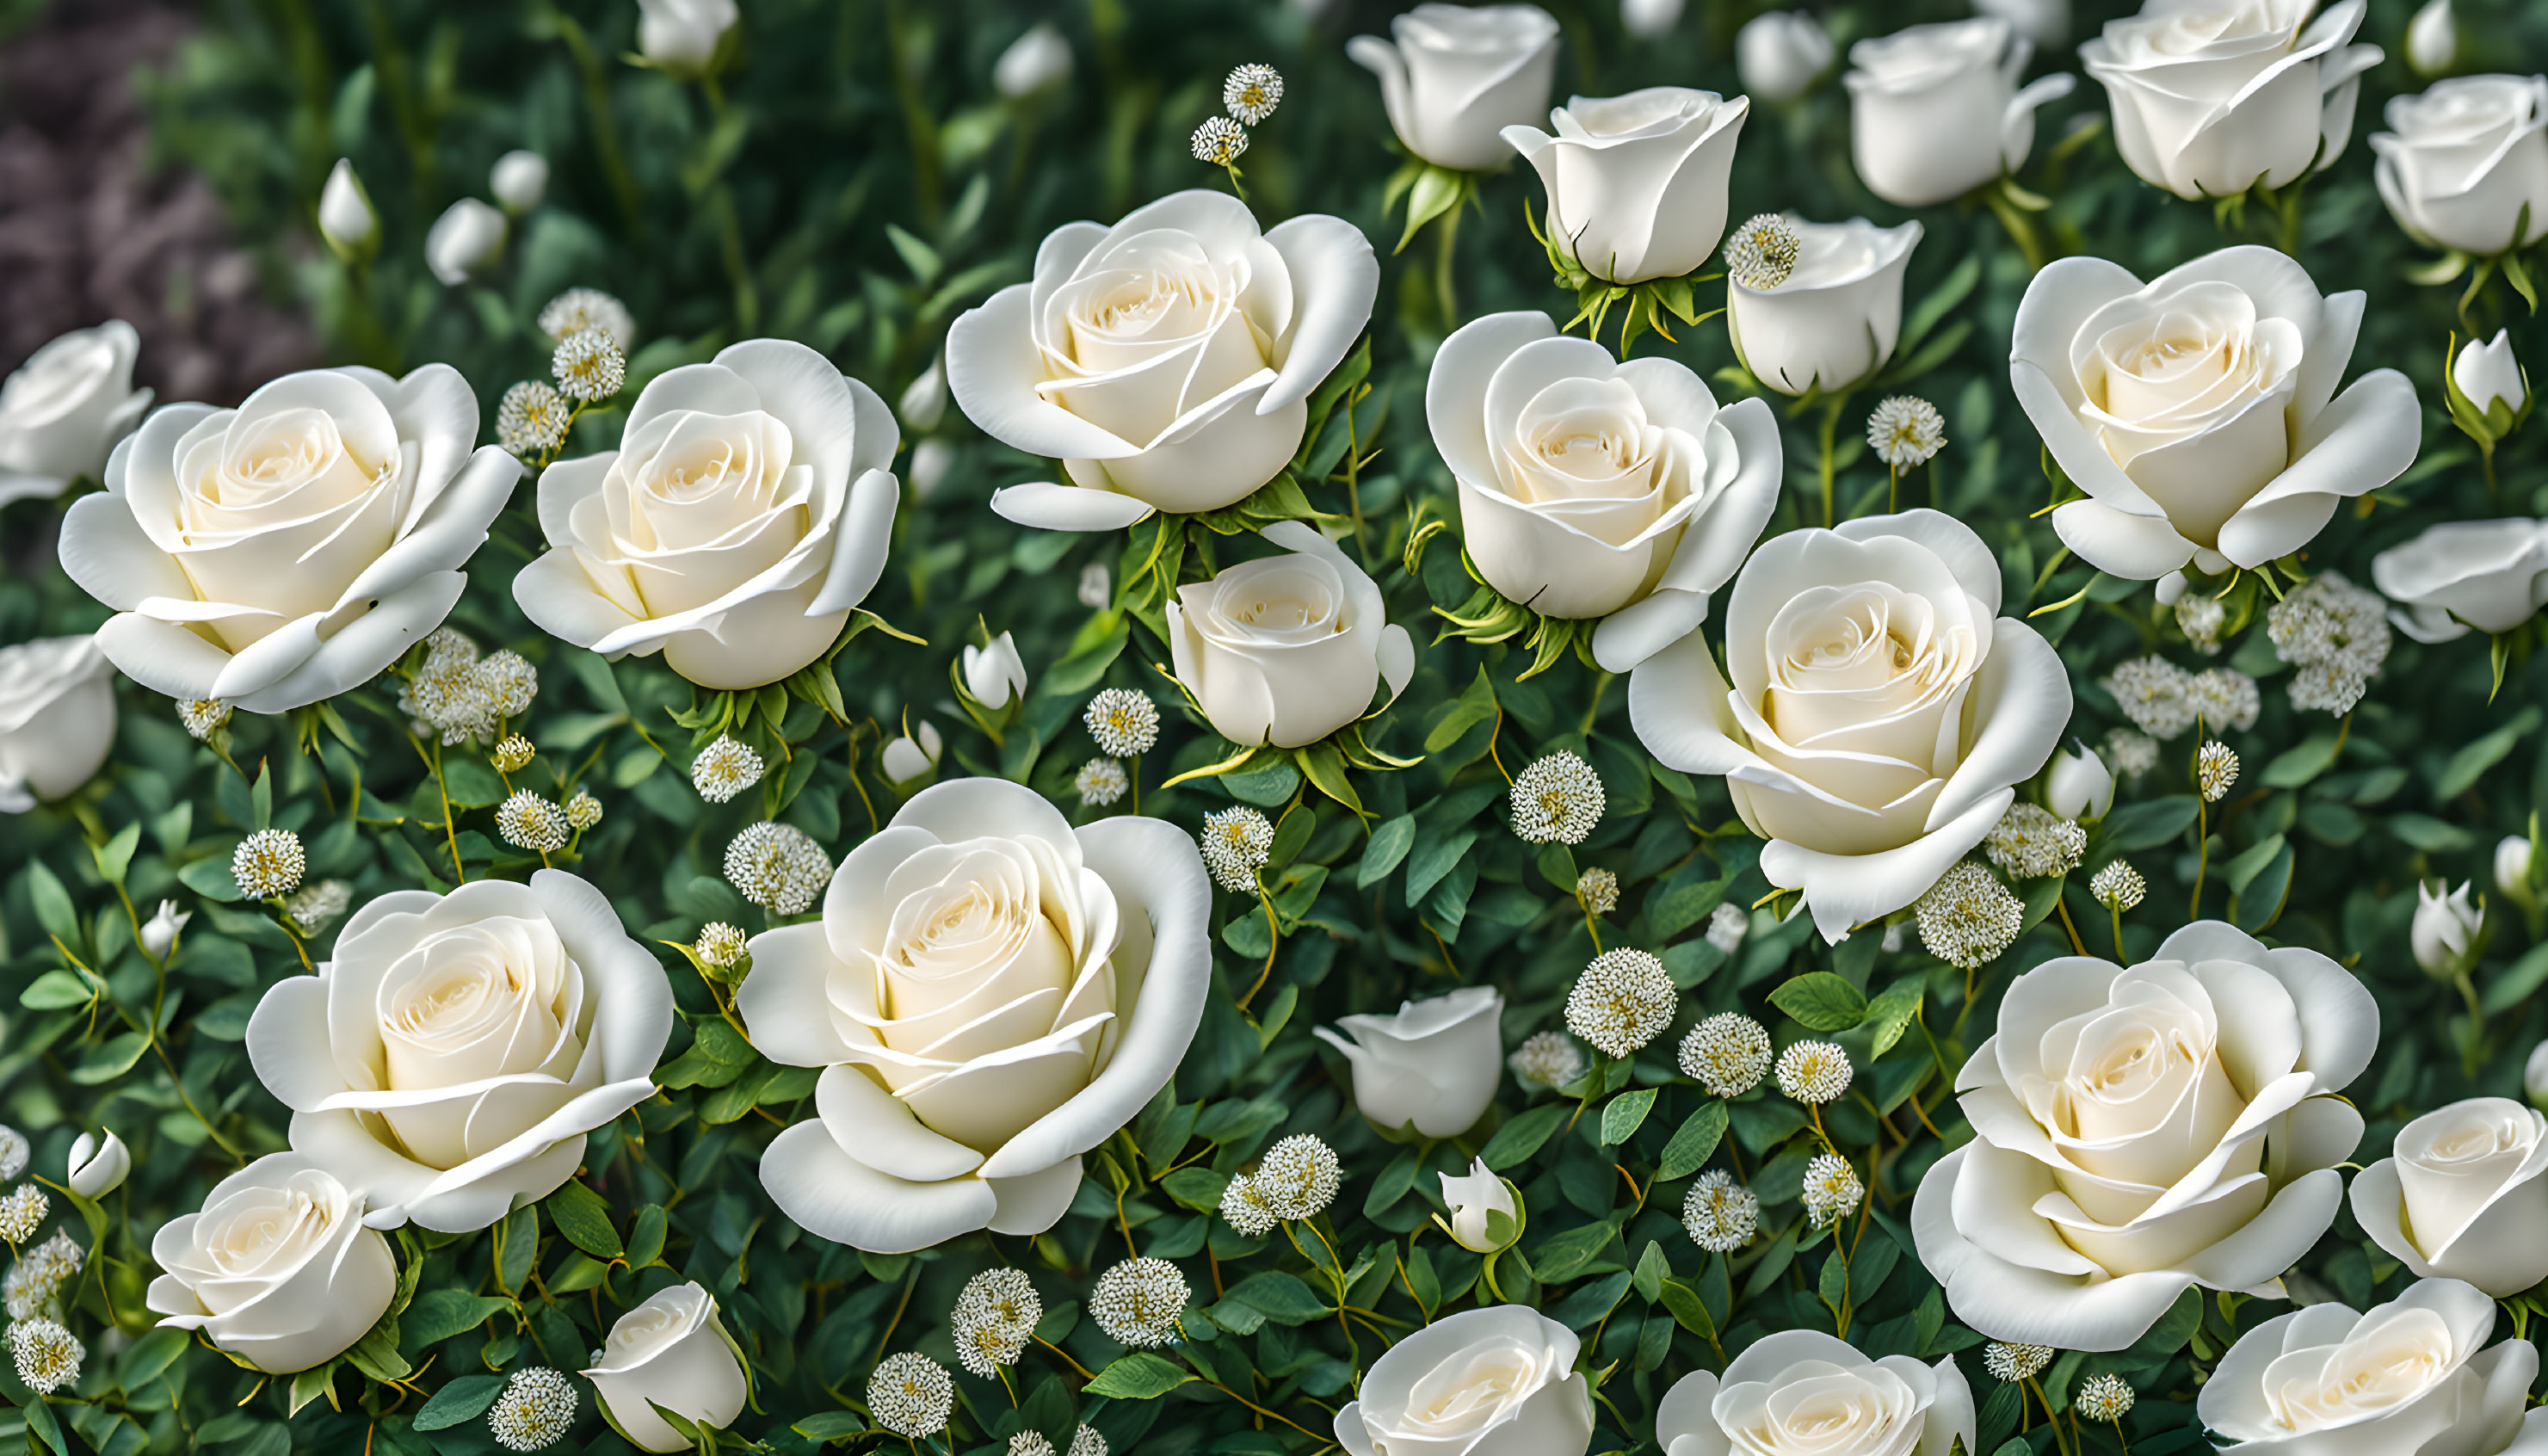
[995,673]
[1648,19]
[467,238]
[2432,39]
[924,399]
[2488,371]
[681,36]
[520,180]
[2081,787]
[2445,932]
[1033,61]
[2514,858]
[1486,1210]
[98,1168]
[1778,53]
[2534,1076]
[161,933]
[914,754]
[345,216]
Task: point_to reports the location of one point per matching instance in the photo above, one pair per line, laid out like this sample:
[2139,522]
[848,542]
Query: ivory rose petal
[2464,1194]
[2486,574]
[1636,183]
[1287,649]
[1433,1066]
[1802,1390]
[2465,163]
[1936,110]
[63,409]
[670,1351]
[1495,1381]
[1454,76]
[278,1267]
[56,718]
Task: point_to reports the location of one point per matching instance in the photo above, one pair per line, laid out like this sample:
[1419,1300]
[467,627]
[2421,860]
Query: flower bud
[681,36]
[1486,1210]
[1779,53]
[520,180]
[2169,588]
[995,673]
[931,459]
[98,1168]
[924,399]
[2514,858]
[1096,586]
[345,216]
[161,932]
[1648,20]
[2488,371]
[2432,39]
[914,754]
[467,238]
[1033,61]
[2534,1076]
[2046,23]
[2445,932]
[2080,787]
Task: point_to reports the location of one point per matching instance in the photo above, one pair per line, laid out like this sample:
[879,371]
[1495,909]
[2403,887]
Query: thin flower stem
[1831,423]
[2076,947]
[1274,936]
[1447,240]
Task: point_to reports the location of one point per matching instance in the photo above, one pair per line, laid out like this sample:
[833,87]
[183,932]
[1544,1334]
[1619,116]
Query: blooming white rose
[1474,1199]
[1433,1066]
[2212,96]
[747,510]
[1454,76]
[465,241]
[2489,575]
[1833,320]
[1778,55]
[285,551]
[1287,649]
[1166,361]
[681,36]
[278,1268]
[1590,488]
[2463,165]
[1936,111]
[1033,61]
[345,217]
[2199,411]
[995,673]
[2080,785]
[519,179]
[2140,1130]
[2464,1194]
[2044,22]
[1497,1381]
[1636,183]
[2410,1378]
[448,1062]
[990,994]
[63,409]
[1880,710]
[97,1167]
[1803,1393]
[56,718]
[2444,933]
[670,1351]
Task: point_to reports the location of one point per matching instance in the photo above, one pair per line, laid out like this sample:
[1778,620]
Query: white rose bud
[1636,183]
[1033,61]
[2080,787]
[1096,587]
[924,399]
[1287,649]
[2490,575]
[995,673]
[931,460]
[2432,39]
[278,1268]
[1650,20]
[1802,1390]
[62,411]
[2413,1375]
[1936,110]
[97,1168]
[670,1351]
[520,180]
[2488,371]
[2534,1076]
[345,216]
[913,754]
[2044,22]
[1454,76]
[466,239]
[2211,102]
[56,718]
[681,36]
[1833,319]
[2462,163]
[161,932]
[2465,1195]
[1475,1198]
[1497,1381]
[1433,1066]
[2513,859]
[1778,53]
[2444,932]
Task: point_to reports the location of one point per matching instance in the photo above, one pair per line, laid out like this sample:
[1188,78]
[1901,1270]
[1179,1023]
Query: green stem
[2202,849]
[1445,241]
[605,127]
[920,129]
[1831,423]
[738,269]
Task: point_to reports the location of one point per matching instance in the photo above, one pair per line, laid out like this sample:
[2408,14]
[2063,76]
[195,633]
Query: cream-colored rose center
[1821,1409]
[275,1234]
[1847,658]
[2388,1360]
[1280,600]
[2191,29]
[1471,1391]
[497,998]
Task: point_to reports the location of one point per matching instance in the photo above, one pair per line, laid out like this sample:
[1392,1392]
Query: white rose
[467,239]
[670,1351]
[2432,39]
[2044,22]
[1833,320]
[1636,183]
[285,551]
[990,994]
[56,718]
[2199,411]
[1432,1065]
[2464,1194]
[1590,487]
[1454,76]
[1936,111]
[995,673]
[278,1268]
[1778,55]
[1499,1381]
[1166,361]
[681,36]
[345,217]
[2212,96]
[1803,1393]
[1649,20]
[2444,933]
[2490,370]
[2411,1376]
[97,1167]
[1287,649]
[63,409]
[1474,1199]
[2140,1130]
[1033,61]
[2513,859]
[520,180]
[448,1062]
[1880,711]
[2489,575]
[2461,165]
[2080,785]
[747,510]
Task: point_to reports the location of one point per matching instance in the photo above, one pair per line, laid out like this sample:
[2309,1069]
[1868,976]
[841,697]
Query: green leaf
[57,991]
[439,1313]
[1696,1143]
[115,856]
[1687,1307]
[2251,861]
[464,1399]
[1326,769]
[584,1220]
[54,908]
[2295,765]
[211,878]
[517,1248]
[1624,1114]
[1654,1266]
[1517,1139]
[1138,1376]
[1282,1297]
[1565,1255]
[1389,844]
[2149,825]
[2471,762]
[1890,1013]
[646,1237]
[1821,1001]
[1434,860]
[2518,982]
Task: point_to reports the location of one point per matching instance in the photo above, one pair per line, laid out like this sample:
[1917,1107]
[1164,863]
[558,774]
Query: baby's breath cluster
[1220,142]
[2031,842]
[2104,1398]
[15,1150]
[2200,616]
[2011,1363]
[47,1356]
[1906,430]
[1727,925]
[35,1279]
[1557,799]
[456,697]
[1832,1189]
[777,867]
[2118,887]
[1763,251]
[589,366]
[204,717]
[512,753]
[1138,1301]
[535,1410]
[1726,1054]
[2129,754]
[1549,1059]
[315,906]
[720,945]
[2163,700]
[1251,92]
[1624,1000]
[531,419]
[268,864]
[1123,721]
[1297,1177]
[1100,782]
[579,309]
[1237,842]
[1967,918]
[2336,634]
[527,821]
[22,1212]
[1814,1072]
[724,768]
[911,1395]
[2216,770]
[995,1319]
[1721,1214]
[583,810]
[1598,890]
[1244,1208]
